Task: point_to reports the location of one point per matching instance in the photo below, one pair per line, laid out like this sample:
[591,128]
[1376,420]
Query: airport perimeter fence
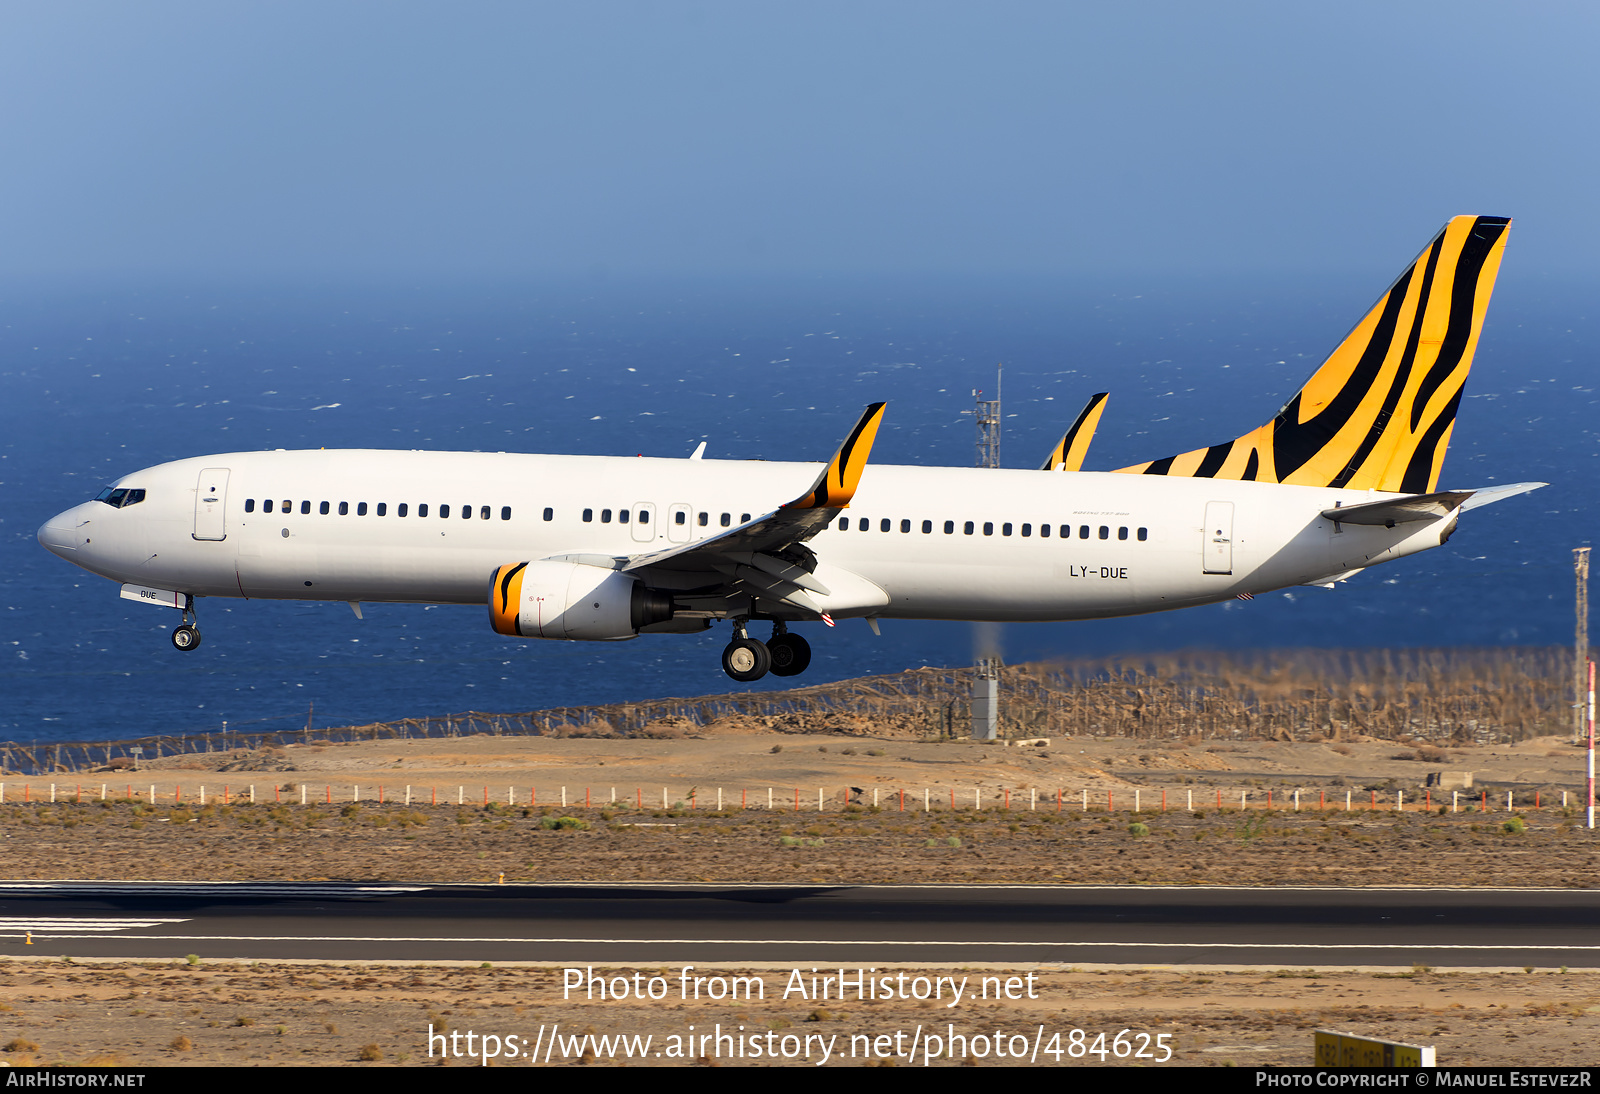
[842,799]
[1426,699]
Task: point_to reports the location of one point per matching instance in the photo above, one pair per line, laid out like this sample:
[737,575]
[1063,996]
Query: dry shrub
[369,1053]
[181,1043]
[20,1044]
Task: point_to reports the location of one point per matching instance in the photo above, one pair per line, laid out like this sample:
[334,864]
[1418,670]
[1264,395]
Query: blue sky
[438,142]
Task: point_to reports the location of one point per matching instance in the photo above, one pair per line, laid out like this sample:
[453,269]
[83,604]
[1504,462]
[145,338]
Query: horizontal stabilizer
[1493,494]
[1400,510]
[1426,506]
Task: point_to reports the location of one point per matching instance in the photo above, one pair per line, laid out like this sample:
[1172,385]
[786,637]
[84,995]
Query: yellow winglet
[1378,414]
[837,484]
[1073,446]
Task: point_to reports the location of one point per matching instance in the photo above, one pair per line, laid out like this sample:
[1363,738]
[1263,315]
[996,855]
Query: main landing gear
[746,659]
[186,636]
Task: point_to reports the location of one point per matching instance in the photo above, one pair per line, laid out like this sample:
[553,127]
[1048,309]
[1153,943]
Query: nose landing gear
[186,636]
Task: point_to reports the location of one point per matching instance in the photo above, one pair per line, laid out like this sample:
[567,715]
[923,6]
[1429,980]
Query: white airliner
[604,548]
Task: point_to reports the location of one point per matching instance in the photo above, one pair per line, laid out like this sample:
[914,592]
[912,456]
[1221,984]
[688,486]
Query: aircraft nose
[59,535]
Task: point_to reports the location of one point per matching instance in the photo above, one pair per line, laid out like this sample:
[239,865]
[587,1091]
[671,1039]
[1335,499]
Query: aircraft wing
[766,556]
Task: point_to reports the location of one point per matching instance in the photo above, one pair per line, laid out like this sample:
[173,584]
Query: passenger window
[266,506]
[1144,534]
[344,508]
[927,527]
[644,516]
[444,512]
[680,517]
[1027,530]
[505,512]
[967,528]
[705,519]
[622,516]
[844,524]
[549,514]
[863,524]
[905,526]
[744,518]
[727,519]
[323,508]
[588,515]
[466,512]
[383,508]
[1105,533]
[988,527]
[422,510]
[361,509]
[284,507]
[400,510]
[1044,531]
[884,525]
[1005,529]
[1083,531]
[305,509]
[249,504]
[1122,533]
[605,516]
[483,513]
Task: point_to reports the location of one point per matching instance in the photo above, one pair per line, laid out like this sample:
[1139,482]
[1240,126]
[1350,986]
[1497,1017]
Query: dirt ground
[665,824]
[161,1013]
[218,1014]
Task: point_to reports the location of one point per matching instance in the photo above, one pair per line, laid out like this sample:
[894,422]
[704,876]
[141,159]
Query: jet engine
[572,601]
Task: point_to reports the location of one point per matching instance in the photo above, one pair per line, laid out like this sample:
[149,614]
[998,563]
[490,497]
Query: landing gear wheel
[746,659]
[791,654]
[186,638]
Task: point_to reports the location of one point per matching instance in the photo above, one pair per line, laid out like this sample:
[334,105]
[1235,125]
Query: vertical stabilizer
[1378,414]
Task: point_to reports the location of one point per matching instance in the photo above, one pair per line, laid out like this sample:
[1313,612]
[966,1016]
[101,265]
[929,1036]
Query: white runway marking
[204,888]
[50,926]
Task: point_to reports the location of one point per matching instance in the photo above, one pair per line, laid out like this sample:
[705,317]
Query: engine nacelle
[569,600]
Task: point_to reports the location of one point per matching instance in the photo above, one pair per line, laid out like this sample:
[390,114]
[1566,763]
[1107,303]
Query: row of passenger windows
[968,528]
[642,516]
[465,512]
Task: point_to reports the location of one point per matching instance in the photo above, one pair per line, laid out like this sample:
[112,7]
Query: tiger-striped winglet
[1073,446]
[1378,414]
[837,484]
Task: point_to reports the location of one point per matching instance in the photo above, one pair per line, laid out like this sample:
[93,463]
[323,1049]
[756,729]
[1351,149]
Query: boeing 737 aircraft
[603,548]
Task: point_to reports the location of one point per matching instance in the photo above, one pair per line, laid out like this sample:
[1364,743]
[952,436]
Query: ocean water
[99,381]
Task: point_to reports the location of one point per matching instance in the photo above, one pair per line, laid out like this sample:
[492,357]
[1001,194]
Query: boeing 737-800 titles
[604,548]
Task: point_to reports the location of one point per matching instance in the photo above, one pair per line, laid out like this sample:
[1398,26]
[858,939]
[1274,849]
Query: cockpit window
[120,497]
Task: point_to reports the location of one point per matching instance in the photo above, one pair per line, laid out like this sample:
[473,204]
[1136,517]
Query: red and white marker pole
[1590,791]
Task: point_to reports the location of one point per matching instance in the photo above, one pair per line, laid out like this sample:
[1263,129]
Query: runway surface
[623,924]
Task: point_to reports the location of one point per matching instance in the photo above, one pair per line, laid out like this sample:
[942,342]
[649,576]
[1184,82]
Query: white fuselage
[1202,540]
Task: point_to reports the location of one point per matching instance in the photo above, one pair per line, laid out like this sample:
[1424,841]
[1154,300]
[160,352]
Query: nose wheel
[186,636]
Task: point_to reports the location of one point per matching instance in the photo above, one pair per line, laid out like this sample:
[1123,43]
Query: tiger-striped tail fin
[1378,414]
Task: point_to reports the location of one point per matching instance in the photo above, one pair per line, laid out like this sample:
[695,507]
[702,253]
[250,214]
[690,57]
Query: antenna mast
[987,412]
